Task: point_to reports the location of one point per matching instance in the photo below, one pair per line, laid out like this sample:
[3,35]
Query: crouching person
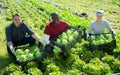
[99,25]
[52,31]
[16,34]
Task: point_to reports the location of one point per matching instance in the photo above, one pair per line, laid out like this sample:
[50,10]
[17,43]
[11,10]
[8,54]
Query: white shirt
[47,38]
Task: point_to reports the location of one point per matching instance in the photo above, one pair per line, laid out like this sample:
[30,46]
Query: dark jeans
[49,49]
[26,40]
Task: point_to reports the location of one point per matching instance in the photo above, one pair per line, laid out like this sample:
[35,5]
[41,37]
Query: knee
[32,40]
[48,49]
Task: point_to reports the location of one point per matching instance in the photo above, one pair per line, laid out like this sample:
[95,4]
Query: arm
[9,37]
[10,45]
[90,29]
[48,42]
[109,27]
[47,36]
[33,34]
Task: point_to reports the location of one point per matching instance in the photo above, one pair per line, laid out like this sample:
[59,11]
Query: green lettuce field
[79,60]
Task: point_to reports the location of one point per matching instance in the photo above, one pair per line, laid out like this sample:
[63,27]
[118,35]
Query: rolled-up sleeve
[29,30]
[8,34]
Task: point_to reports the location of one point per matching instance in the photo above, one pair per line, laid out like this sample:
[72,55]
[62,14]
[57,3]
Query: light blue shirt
[97,28]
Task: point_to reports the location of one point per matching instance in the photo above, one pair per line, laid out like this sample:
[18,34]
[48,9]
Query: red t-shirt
[55,30]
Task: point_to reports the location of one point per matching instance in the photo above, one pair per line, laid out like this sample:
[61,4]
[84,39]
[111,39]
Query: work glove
[114,34]
[12,49]
[87,36]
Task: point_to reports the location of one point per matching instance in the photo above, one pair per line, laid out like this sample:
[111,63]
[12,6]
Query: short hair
[99,12]
[54,14]
[15,14]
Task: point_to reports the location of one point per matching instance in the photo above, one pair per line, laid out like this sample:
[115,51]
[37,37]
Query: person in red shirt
[53,30]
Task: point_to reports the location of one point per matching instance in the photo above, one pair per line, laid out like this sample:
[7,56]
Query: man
[99,25]
[16,34]
[53,30]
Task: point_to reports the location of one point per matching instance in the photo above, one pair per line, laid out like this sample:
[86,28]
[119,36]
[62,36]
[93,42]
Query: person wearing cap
[99,25]
[53,30]
[16,34]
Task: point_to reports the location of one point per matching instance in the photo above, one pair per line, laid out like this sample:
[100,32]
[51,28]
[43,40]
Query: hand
[51,44]
[87,36]
[12,49]
[114,34]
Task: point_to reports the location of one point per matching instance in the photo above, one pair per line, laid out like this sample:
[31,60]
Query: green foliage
[114,63]
[74,72]
[97,67]
[86,56]
[52,68]
[101,39]
[34,71]
[78,64]
[116,66]
[67,37]
[13,69]
[31,69]
[56,50]
[28,54]
[108,59]
[56,73]
[79,58]
[31,64]
[98,53]
[117,50]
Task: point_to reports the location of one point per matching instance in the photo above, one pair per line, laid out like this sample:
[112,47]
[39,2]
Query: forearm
[47,41]
[109,27]
[36,37]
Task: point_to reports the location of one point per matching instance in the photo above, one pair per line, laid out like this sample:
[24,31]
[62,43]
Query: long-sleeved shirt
[97,28]
[14,33]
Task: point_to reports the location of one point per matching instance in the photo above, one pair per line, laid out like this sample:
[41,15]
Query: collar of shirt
[13,25]
[99,22]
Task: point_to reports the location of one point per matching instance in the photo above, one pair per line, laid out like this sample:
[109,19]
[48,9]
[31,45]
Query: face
[55,19]
[17,21]
[99,16]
